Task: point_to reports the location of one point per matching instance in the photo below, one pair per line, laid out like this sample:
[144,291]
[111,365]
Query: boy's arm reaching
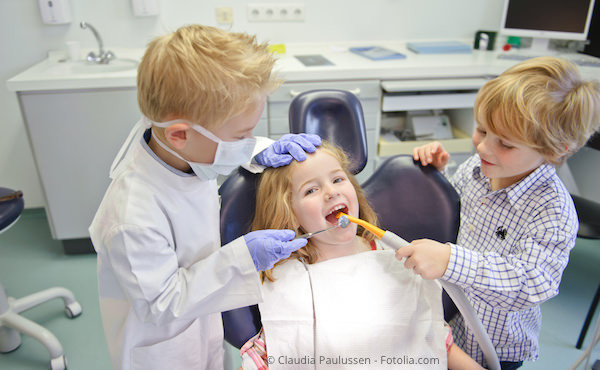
[433,154]
[426,257]
[269,153]
[288,148]
[525,278]
[160,290]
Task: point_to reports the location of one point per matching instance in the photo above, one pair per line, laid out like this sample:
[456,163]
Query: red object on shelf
[506,47]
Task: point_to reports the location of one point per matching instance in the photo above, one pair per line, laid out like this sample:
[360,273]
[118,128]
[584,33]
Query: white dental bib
[369,312]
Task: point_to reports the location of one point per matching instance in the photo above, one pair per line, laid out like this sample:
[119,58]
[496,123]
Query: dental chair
[410,200]
[11,322]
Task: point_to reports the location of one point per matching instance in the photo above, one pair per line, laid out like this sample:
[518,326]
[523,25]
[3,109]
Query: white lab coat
[163,278]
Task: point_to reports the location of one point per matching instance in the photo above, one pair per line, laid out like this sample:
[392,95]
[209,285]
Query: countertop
[346,66]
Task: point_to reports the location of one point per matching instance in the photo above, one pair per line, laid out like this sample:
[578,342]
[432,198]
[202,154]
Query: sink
[85,67]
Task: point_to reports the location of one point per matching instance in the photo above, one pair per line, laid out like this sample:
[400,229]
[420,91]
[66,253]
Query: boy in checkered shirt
[518,222]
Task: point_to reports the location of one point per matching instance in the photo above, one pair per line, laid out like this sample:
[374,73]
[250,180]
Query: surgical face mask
[229,154]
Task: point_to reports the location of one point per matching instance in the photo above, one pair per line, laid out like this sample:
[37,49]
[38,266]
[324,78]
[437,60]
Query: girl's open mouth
[334,211]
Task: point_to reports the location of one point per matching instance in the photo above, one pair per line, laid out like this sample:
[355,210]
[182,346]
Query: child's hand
[427,257]
[288,147]
[433,154]
[267,247]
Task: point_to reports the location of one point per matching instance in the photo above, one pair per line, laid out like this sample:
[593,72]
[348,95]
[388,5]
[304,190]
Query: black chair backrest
[336,116]
[11,206]
[413,201]
[588,213]
[238,201]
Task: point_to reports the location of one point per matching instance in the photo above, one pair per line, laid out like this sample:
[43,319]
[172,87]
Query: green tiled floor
[31,261]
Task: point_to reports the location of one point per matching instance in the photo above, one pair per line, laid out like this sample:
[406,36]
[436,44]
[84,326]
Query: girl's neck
[330,251]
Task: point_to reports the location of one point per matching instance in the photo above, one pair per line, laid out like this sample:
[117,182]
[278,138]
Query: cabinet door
[75,136]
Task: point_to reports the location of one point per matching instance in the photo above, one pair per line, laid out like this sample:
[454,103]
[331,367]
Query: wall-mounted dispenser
[55,11]
[145,8]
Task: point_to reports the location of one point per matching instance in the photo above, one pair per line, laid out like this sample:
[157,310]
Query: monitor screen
[557,19]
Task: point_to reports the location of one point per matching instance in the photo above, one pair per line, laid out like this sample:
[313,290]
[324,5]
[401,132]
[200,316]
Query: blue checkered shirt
[512,248]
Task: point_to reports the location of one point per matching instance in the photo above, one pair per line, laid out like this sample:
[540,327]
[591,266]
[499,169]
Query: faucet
[102,57]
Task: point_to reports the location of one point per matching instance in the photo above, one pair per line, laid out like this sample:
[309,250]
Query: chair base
[12,324]
[10,340]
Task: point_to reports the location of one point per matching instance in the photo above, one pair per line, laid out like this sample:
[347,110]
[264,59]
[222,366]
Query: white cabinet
[367,91]
[75,135]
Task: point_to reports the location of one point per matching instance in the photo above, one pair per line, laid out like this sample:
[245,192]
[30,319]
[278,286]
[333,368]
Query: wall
[26,41]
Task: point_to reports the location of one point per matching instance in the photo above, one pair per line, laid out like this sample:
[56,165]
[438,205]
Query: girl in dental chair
[342,301]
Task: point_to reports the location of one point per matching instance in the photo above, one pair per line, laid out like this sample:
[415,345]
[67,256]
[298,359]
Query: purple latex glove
[290,146]
[267,247]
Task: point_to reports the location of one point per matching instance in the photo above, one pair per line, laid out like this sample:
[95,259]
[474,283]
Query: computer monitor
[547,19]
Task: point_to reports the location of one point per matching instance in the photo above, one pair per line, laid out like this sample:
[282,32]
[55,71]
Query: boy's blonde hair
[274,204]
[203,74]
[544,104]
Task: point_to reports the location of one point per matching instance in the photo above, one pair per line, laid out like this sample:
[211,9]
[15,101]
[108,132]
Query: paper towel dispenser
[55,11]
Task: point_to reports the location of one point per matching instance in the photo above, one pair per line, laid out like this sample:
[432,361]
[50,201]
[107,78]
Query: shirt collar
[516,191]
[534,180]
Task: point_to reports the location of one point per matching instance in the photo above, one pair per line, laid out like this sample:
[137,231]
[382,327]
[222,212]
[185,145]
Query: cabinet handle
[294,93]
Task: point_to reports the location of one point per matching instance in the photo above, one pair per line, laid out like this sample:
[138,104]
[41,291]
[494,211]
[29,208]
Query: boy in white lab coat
[163,277]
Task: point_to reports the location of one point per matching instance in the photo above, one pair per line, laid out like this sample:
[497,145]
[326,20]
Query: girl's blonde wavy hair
[204,74]
[544,104]
[274,204]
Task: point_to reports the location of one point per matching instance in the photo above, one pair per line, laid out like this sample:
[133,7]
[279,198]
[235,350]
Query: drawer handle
[294,93]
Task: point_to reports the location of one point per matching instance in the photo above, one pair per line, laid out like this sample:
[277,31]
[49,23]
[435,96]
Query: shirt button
[471,227]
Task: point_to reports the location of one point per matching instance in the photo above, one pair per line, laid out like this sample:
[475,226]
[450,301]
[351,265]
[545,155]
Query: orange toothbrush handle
[373,229]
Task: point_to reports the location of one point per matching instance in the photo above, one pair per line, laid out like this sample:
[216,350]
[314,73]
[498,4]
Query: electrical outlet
[285,12]
[224,15]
